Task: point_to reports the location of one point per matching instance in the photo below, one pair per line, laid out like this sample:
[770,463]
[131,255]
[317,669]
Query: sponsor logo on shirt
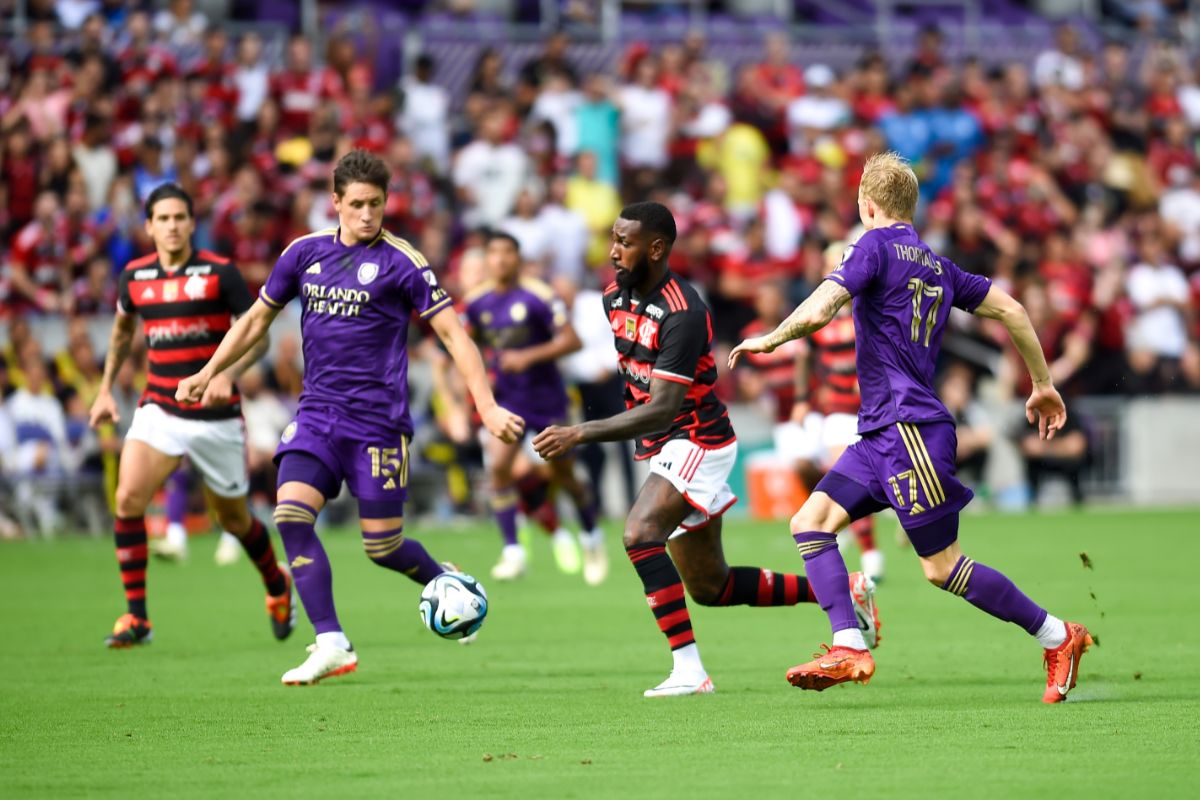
[198,269]
[176,330]
[145,274]
[367,271]
[619,302]
[653,311]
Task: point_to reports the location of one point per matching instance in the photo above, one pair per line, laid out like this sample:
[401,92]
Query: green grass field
[548,702]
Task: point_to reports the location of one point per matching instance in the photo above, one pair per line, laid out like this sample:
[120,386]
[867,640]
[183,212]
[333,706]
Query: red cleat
[1062,663]
[836,665]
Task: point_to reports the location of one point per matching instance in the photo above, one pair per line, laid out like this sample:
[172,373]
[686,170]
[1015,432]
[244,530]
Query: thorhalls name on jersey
[337,301]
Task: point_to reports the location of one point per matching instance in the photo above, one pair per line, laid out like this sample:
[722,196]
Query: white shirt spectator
[41,429]
[533,237]
[1189,100]
[783,227]
[98,165]
[1159,326]
[180,33]
[817,112]
[645,126]
[494,175]
[1056,68]
[423,121]
[266,416]
[710,121]
[598,358]
[556,104]
[568,245]
[253,85]
[1181,208]
[73,13]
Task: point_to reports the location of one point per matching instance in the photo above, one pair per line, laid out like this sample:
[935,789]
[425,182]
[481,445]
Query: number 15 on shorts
[390,464]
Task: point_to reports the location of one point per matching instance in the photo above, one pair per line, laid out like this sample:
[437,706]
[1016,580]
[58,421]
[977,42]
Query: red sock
[752,586]
[257,544]
[864,531]
[664,592]
[131,558]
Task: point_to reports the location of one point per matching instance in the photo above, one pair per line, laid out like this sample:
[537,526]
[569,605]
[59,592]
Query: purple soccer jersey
[528,314]
[903,294]
[357,304]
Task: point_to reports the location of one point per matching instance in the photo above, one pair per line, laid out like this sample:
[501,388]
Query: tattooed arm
[812,315]
[104,407]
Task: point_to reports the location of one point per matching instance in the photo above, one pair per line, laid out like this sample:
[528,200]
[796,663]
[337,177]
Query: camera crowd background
[1072,180]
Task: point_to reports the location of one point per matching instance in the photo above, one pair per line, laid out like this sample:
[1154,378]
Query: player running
[903,294]
[524,327]
[663,333]
[188,300]
[359,286]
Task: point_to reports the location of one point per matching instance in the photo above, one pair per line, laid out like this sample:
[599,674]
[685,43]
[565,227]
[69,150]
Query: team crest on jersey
[145,274]
[846,255]
[429,277]
[367,272]
[289,432]
[195,288]
[518,312]
[647,332]
[486,318]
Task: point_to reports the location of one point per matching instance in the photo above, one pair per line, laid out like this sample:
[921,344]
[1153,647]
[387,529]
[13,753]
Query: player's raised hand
[218,393]
[503,424]
[1045,406]
[191,389]
[556,441]
[104,409]
[755,344]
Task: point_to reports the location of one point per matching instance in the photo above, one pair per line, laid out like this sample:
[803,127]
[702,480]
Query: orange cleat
[1062,663]
[129,631]
[836,665]
[282,609]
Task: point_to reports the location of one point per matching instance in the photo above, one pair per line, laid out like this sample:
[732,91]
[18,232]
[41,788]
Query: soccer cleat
[229,550]
[129,631]
[322,662]
[566,551]
[872,564]
[1062,663]
[595,560]
[168,550]
[511,564]
[862,592]
[282,609]
[836,665]
[679,685]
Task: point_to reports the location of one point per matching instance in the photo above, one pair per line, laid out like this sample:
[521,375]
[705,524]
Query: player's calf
[392,550]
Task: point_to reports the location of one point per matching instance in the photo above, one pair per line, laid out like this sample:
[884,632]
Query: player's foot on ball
[228,551]
[566,552]
[872,564]
[1062,663]
[836,665]
[595,560]
[862,592]
[679,684]
[168,550]
[511,564]
[322,662]
[282,608]
[129,631]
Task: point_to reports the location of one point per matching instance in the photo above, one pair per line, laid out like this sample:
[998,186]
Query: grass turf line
[548,703]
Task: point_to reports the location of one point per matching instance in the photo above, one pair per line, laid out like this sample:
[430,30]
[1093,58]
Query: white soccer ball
[453,605]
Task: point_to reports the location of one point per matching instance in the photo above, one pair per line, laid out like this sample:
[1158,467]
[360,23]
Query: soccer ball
[453,605]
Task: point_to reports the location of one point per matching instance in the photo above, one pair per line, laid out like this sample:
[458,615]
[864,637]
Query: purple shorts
[372,461]
[910,468]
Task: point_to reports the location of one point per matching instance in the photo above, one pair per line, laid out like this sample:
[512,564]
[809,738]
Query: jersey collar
[337,238]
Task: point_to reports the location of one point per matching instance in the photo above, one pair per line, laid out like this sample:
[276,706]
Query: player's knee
[936,572]
[705,592]
[130,502]
[812,517]
[642,531]
[234,520]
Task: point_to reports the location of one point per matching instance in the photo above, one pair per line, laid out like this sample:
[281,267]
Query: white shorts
[217,448]
[701,476]
[816,438]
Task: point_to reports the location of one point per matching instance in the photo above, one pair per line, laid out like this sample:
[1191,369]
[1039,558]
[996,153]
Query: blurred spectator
[96,160]
[40,270]
[599,128]
[424,116]
[597,202]
[816,112]
[975,435]
[251,78]
[1067,455]
[489,173]
[266,417]
[1158,336]
[1061,65]
[42,450]
[645,125]
[180,25]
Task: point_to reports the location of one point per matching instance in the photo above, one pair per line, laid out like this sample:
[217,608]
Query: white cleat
[678,685]
[229,550]
[862,592]
[322,662]
[872,564]
[168,550]
[511,564]
[595,560]
[566,552]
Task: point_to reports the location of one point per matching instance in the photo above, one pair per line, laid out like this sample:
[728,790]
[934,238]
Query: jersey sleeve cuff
[266,298]
[434,309]
[671,376]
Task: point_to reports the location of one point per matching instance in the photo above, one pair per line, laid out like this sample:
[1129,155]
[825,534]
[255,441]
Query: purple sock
[587,512]
[311,574]
[827,577]
[992,591]
[504,505]
[177,495]
[392,550]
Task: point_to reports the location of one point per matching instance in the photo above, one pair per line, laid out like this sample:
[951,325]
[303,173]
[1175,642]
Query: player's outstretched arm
[1045,406]
[120,342]
[653,416]
[500,422]
[813,314]
[220,388]
[247,331]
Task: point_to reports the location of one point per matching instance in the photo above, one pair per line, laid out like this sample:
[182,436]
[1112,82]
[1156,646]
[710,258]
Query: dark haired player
[903,294]
[524,327]
[188,299]
[663,334]
[359,286]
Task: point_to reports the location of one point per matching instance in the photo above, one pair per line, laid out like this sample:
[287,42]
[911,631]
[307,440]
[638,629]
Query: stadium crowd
[1072,181]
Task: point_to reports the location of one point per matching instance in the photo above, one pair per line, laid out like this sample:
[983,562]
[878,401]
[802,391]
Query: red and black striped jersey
[833,381]
[186,313]
[668,335]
